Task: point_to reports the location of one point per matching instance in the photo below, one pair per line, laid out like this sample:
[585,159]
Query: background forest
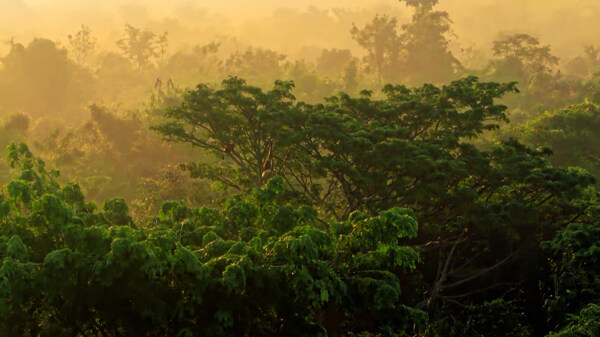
[399,181]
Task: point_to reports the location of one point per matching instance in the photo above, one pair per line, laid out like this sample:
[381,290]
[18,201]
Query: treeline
[52,94]
[61,78]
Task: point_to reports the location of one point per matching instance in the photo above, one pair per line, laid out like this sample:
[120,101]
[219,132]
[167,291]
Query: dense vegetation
[258,207]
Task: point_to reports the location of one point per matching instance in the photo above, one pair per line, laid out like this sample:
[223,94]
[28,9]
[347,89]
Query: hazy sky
[565,24]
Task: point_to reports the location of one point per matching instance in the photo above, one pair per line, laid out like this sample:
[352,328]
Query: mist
[300,168]
[295,26]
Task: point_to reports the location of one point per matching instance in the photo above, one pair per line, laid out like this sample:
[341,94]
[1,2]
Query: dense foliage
[302,206]
[258,266]
[481,213]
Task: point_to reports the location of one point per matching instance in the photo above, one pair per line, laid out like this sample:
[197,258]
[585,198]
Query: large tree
[240,124]
[481,213]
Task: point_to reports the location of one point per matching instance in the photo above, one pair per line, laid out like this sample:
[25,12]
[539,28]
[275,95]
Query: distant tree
[17,123]
[142,47]
[419,53]
[40,79]
[83,46]
[527,50]
[425,44]
[333,61]
[383,45]
[108,153]
[255,63]
[424,4]
[350,77]
[309,86]
[118,79]
[584,65]
[14,128]
[523,53]
[592,89]
[162,43]
[200,61]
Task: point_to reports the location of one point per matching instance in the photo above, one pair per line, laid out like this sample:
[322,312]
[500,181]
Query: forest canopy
[397,182]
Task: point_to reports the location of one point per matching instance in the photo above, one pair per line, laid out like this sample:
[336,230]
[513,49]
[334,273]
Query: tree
[526,50]
[350,76]
[333,61]
[107,153]
[480,212]
[418,54]
[162,43]
[255,63]
[83,46]
[424,4]
[201,61]
[241,123]
[592,89]
[573,290]
[584,324]
[571,132]
[425,44]
[39,79]
[524,59]
[383,45]
[584,65]
[140,46]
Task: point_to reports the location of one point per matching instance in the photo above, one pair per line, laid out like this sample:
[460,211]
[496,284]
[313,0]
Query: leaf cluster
[257,266]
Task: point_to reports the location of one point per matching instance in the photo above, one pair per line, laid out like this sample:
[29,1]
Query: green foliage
[571,133]
[587,323]
[354,158]
[322,236]
[241,123]
[574,256]
[522,58]
[256,266]
[494,318]
[525,50]
[319,239]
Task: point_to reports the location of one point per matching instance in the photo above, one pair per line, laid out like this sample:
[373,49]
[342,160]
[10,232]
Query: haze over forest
[356,168]
[291,26]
